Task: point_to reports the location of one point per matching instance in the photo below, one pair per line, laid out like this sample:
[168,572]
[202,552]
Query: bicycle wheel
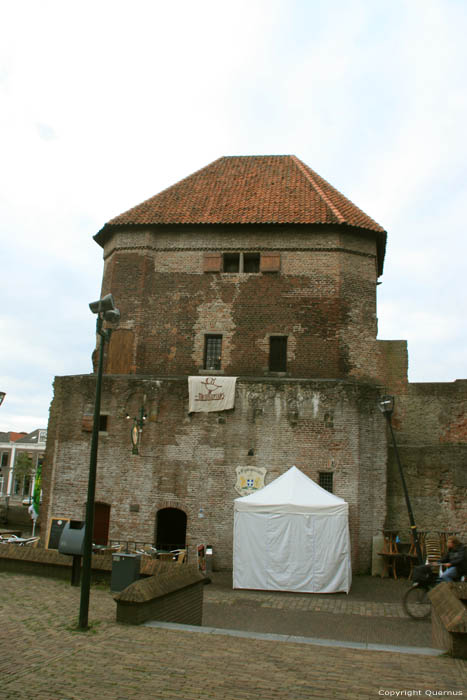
[416,603]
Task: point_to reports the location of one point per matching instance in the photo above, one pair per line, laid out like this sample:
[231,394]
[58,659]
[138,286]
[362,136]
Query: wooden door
[101,523]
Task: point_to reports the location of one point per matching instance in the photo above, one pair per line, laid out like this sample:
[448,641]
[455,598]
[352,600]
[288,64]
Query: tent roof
[293,491]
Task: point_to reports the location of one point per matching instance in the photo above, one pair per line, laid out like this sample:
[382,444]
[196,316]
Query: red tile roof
[248,190]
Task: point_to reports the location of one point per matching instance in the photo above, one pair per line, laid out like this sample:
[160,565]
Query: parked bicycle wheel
[416,602]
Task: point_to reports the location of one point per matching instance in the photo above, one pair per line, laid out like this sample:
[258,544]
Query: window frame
[326,479]
[215,337]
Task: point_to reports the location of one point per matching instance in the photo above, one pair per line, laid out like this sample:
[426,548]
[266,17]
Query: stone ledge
[164,581]
[449,618]
[52,558]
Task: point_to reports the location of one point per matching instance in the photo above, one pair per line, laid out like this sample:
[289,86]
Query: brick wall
[189,461]
[323,298]
[429,426]
[184,606]
[321,416]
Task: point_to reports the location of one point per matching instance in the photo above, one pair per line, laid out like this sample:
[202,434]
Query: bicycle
[416,601]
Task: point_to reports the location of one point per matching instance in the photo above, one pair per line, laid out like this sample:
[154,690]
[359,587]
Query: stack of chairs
[432,552]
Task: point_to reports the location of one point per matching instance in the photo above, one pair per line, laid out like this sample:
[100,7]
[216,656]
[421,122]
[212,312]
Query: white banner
[211,393]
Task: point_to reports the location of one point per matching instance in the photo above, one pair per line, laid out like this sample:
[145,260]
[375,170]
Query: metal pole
[87,547]
[413,527]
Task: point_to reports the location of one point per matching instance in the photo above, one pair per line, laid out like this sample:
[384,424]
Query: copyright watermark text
[430,693]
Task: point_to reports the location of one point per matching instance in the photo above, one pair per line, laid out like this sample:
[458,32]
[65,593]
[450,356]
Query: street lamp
[106,311]
[386,406]
[2,396]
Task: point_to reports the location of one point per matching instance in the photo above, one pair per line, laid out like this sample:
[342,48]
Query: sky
[105,103]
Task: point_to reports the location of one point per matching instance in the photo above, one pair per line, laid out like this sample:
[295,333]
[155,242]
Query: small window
[325,480]
[278,353]
[251,262]
[329,420]
[103,423]
[231,262]
[4,459]
[212,351]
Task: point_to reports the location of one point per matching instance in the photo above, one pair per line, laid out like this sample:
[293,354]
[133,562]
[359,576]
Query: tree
[23,466]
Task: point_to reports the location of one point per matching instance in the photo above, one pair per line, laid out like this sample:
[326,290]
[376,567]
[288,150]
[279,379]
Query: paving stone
[43,656]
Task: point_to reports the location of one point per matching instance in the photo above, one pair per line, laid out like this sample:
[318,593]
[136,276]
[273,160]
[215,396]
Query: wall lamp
[386,406]
[106,311]
[137,430]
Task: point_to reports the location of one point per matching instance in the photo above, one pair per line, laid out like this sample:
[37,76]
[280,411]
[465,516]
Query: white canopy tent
[292,535]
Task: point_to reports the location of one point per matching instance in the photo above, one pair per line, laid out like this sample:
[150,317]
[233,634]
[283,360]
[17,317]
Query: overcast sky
[105,103]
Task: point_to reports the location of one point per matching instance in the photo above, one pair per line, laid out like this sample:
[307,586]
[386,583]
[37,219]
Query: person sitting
[455,560]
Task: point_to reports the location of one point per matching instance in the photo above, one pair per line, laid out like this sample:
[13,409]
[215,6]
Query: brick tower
[256,268]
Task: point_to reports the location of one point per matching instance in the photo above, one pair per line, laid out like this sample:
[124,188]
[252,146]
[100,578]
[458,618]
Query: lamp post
[2,396]
[386,406]
[106,311]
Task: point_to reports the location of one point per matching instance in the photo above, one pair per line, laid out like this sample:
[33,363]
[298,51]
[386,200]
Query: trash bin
[208,559]
[125,570]
[72,538]
[71,542]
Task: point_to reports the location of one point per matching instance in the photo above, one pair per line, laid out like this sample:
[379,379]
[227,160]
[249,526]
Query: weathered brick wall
[393,364]
[323,299]
[189,461]
[184,607]
[430,426]
[321,417]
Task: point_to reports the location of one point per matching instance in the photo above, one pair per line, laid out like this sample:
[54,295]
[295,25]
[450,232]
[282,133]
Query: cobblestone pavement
[43,656]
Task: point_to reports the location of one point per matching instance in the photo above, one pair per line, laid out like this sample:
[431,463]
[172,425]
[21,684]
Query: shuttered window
[278,353]
[237,263]
[212,262]
[270,262]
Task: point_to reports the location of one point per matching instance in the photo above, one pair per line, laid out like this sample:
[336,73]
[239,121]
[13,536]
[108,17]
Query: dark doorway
[278,353]
[101,523]
[170,529]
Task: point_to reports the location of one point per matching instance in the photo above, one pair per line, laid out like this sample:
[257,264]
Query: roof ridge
[301,166]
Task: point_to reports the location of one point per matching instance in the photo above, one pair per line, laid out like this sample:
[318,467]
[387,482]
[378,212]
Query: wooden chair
[181,558]
[432,550]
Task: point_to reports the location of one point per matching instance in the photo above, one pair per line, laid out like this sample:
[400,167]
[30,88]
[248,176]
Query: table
[390,554]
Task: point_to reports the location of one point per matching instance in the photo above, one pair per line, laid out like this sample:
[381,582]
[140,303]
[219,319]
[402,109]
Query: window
[241,262]
[103,423]
[231,262]
[237,263]
[4,462]
[278,353]
[325,480]
[212,351]
[329,420]
[251,262]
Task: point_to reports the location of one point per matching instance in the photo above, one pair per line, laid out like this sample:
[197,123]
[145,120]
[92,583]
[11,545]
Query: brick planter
[174,594]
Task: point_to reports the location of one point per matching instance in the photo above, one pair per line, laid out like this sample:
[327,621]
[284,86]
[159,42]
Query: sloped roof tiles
[248,190]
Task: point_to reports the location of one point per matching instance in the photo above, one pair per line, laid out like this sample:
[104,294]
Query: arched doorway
[101,523]
[170,529]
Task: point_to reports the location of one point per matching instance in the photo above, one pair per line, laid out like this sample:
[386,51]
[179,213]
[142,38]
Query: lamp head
[106,307]
[112,316]
[101,305]
[386,404]
[2,396]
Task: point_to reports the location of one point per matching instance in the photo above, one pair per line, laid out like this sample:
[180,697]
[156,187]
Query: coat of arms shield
[249,479]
